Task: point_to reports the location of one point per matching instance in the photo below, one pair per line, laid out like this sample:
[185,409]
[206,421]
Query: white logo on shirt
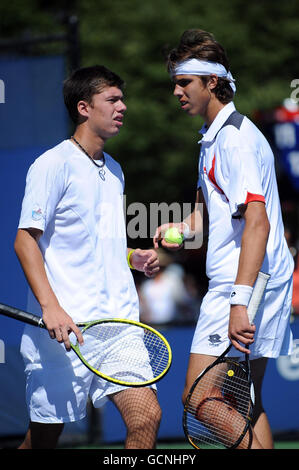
[37,213]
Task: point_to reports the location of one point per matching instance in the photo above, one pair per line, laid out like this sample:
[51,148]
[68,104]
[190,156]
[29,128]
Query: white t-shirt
[164,294]
[236,166]
[84,235]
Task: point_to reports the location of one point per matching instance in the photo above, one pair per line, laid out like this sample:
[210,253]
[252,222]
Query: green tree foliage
[158,144]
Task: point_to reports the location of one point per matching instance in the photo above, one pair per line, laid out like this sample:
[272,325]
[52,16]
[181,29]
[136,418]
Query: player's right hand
[160,233]
[59,324]
[240,331]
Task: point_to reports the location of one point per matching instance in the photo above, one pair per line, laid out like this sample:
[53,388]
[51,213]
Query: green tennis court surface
[184,445]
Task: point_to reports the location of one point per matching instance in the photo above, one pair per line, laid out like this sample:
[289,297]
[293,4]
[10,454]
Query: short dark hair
[199,44]
[86,82]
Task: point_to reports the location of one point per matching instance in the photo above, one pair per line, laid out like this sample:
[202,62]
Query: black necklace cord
[100,167]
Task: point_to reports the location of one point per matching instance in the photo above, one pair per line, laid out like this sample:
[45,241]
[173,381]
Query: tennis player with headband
[71,243]
[237,185]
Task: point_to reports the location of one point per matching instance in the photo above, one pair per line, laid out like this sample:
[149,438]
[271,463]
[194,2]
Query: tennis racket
[124,352]
[218,409]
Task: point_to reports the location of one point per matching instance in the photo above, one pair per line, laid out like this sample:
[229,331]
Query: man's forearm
[31,260]
[253,246]
[195,220]
[57,321]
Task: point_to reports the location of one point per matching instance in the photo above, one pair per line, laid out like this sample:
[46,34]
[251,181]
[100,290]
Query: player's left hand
[146,261]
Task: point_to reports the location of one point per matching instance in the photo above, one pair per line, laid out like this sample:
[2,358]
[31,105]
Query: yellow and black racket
[218,408]
[122,351]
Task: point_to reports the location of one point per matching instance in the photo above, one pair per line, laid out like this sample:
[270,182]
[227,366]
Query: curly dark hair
[199,44]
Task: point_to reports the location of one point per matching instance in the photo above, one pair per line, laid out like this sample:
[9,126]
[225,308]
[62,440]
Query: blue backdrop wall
[280,394]
[32,119]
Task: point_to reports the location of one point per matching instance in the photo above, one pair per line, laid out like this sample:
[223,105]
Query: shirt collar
[210,133]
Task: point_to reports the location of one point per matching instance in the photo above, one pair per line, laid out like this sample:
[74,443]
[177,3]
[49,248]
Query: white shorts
[273,336]
[58,385]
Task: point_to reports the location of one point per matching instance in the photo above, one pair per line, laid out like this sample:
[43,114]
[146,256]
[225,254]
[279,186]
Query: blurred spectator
[295,301]
[293,249]
[170,296]
[287,112]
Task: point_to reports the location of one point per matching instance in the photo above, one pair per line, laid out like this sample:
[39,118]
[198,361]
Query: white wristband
[186,231]
[240,295]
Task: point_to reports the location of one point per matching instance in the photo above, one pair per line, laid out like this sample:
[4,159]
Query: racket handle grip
[257,294]
[20,315]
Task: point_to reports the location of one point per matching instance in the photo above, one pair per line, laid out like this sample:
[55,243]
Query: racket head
[218,408]
[124,352]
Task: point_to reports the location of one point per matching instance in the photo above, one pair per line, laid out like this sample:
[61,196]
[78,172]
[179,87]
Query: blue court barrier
[280,393]
[33,118]
[281,387]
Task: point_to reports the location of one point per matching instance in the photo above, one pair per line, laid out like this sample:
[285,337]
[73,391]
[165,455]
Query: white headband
[201,67]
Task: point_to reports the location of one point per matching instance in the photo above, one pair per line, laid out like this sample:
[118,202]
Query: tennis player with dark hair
[71,243]
[237,184]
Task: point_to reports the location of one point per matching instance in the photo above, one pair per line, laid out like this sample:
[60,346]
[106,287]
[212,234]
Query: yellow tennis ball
[230,373]
[173,235]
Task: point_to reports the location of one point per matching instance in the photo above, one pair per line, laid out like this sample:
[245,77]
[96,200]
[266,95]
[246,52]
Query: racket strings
[127,347]
[219,407]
